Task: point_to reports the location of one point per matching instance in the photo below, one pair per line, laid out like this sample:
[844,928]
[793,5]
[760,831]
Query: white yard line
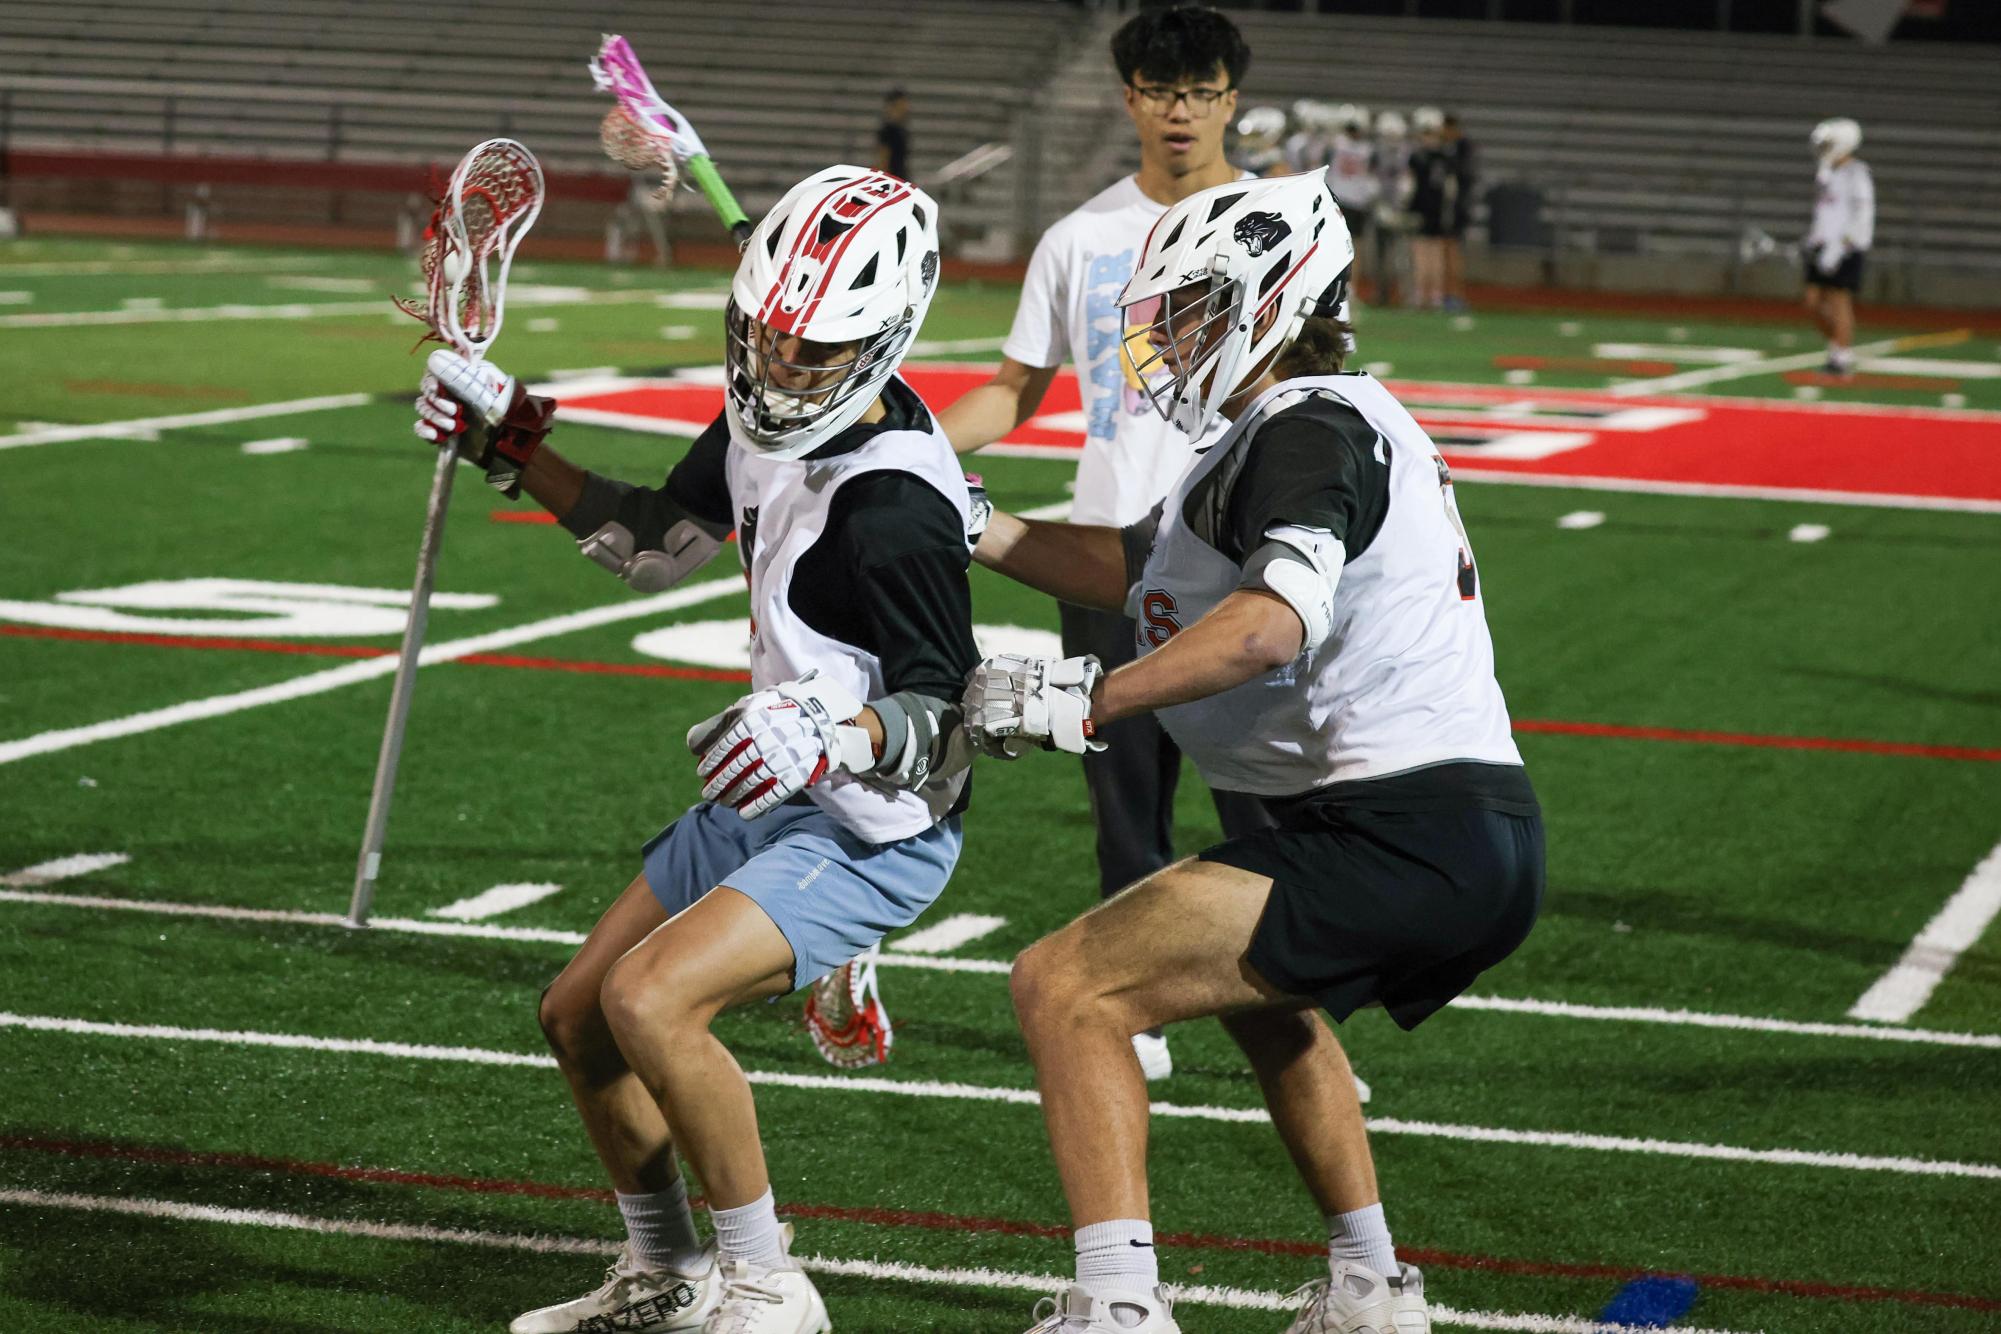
[1869,499]
[157,267]
[495,901]
[284,444]
[951,933]
[293,310]
[1738,370]
[1246,1299]
[952,1091]
[1000,968]
[1903,991]
[353,673]
[62,868]
[58,435]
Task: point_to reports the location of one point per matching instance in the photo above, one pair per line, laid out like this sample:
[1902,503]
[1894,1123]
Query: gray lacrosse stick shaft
[370,864]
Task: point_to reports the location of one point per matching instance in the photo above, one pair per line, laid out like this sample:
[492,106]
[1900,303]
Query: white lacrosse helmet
[848,256]
[1390,125]
[1311,114]
[1357,118]
[1427,120]
[1261,127]
[1225,281]
[1836,139]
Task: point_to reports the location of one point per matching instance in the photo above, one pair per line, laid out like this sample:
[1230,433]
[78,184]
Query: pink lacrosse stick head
[617,70]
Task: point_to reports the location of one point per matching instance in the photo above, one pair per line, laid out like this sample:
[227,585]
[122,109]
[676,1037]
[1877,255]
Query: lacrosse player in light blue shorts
[832,793]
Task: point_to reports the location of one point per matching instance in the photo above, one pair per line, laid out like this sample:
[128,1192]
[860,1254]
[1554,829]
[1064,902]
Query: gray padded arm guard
[1302,566]
[921,739]
[640,535]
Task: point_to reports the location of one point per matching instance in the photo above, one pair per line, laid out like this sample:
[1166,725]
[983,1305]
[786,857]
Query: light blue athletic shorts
[830,892]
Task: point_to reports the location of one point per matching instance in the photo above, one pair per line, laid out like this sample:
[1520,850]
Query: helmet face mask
[1226,281]
[781,386]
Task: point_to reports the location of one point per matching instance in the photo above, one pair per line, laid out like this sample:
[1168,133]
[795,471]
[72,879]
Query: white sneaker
[1155,1061]
[1106,1311]
[1355,1299]
[768,1299]
[635,1296]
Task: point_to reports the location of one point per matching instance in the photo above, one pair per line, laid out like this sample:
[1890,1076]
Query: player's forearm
[981,416]
[1249,633]
[552,481]
[1079,563]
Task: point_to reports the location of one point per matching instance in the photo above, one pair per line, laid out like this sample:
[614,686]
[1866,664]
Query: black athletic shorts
[1399,907]
[1847,275]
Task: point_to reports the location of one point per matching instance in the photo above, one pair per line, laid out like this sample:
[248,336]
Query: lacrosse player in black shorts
[1311,631]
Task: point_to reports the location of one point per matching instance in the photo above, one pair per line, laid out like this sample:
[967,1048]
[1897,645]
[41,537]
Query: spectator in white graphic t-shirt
[1181,67]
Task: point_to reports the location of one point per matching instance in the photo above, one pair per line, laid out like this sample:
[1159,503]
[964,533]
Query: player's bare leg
[1840,307]
[619,1113]
[1307,1084]
[1817,309]
[1171,948]
[663,1280]
[659,1000]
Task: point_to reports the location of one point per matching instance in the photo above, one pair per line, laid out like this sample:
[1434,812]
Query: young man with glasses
[1181,67]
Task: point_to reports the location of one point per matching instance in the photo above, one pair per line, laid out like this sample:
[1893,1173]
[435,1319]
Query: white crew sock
[662,1228]
[750,1232]
[1118,1254]
[1363,1237]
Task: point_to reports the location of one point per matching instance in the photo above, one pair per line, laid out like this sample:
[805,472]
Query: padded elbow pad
[684,548]
[1302,566]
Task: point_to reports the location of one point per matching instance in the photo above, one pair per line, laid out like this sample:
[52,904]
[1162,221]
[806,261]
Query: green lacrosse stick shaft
[710,180]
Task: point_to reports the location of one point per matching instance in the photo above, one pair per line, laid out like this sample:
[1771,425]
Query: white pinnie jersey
[1351,172]
[781,510]
[1844,207]
[1406,677]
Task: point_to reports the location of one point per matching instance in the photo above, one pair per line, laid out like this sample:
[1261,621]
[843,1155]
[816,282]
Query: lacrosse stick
[488,207]
[845,1018]
[1757,243]
[643,133]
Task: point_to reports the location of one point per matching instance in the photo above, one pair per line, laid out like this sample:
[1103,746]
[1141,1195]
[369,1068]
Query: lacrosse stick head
[641,132]
[488,207]
[845,1018]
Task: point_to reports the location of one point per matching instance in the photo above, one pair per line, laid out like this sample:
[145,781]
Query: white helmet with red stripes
[1227,278]
[831,289]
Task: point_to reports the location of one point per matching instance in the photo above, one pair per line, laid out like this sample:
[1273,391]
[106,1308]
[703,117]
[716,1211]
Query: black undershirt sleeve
[904,548]
[697,487]
[1316,465]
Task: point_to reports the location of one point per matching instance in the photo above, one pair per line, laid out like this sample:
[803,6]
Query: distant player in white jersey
[851,519]
[1844,227]
[1181,67]
[1311,630]
[1351,175]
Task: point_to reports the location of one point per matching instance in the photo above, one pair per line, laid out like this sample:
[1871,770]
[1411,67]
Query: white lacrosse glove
[1828,258]
[455,393]
[1015,704]
[772,745]
[980,511]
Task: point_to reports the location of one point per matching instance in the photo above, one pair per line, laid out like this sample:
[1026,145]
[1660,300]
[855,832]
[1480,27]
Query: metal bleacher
[776,90]
[1646,145]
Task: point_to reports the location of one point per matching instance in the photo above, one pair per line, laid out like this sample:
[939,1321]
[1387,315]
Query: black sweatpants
[1132,780]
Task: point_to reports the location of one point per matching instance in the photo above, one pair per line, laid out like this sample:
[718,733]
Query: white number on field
[237,607]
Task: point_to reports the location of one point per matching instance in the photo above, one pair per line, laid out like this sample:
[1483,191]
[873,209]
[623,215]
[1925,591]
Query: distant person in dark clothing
[1459,153]
[1434,199]
[892,140]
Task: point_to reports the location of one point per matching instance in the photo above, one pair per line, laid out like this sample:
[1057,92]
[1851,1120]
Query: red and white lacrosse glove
[485,413]
[768,747]
[845,1018]
[1015,703]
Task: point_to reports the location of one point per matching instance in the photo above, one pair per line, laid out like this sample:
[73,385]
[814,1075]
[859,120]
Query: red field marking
[1851,745]
[930,1220]
[1856,449]
[1869,380]
[1593,365]
[522,516]
[671,672]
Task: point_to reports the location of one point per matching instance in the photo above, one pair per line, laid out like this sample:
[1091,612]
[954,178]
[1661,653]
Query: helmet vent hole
[902,243]
[866,276]
[1223,205]
[1175,235]
[831,227]
[1273,274]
